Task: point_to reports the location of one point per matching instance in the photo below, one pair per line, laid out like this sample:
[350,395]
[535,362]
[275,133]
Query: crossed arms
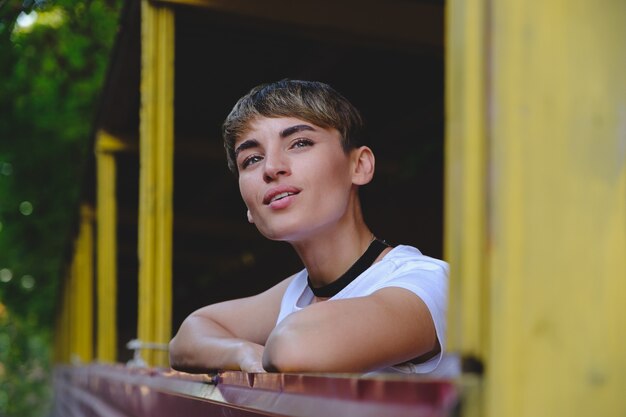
[359,334]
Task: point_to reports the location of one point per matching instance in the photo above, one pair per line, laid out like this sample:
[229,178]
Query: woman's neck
[329,254]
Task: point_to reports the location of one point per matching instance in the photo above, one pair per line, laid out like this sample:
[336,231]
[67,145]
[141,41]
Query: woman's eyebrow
[246,144]
[295,129]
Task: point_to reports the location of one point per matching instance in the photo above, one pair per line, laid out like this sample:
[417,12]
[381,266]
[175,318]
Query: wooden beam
[465,240]
[109,143]
[106,328]
[558,204]
[465,188]
[398,21]
[536,194]
[80,297]
[210,149]
[156,178]
[61,330]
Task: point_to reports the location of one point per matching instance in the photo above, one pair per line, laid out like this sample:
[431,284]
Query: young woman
[359,305]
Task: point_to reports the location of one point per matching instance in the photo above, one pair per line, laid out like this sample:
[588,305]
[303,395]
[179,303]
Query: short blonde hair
[312,101]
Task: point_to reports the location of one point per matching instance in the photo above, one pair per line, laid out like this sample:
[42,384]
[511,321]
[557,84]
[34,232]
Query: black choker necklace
[365,261]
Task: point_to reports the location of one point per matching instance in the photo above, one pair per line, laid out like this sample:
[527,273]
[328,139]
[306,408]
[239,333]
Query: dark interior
[398,86]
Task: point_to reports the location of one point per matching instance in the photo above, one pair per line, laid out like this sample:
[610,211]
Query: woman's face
[294,177]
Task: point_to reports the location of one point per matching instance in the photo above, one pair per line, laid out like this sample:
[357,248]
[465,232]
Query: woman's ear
[250,219]
[364,164]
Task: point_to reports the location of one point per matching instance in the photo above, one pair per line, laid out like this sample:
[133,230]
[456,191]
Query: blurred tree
[24,375]
[53,59]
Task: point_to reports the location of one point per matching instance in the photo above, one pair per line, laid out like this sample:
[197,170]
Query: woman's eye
[252,159]
[301,143]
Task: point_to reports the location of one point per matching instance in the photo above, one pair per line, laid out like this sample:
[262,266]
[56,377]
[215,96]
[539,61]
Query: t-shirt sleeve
[428,280]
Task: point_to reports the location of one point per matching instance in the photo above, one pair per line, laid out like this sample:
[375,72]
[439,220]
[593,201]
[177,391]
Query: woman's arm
[227,335]
[361,334]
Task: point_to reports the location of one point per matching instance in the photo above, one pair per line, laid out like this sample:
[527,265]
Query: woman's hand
[228,335]
[251,357]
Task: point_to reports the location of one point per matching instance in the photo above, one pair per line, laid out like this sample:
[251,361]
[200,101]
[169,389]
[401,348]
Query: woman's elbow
[176,355]
[183,348]
[284,352]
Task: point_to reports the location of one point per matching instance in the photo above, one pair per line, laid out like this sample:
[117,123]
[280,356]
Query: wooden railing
[117,391]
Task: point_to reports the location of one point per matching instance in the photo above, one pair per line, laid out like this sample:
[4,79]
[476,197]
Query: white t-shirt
[402,267]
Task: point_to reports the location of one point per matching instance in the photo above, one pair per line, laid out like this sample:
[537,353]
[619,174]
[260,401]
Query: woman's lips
[282,202]
[280,197]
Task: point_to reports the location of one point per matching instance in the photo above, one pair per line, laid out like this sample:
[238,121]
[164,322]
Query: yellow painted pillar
[558,199]
[551,299]
[73,321]
[106,329]
[83,287]
[68,314]
[156,178]
[85,284]
[61,331]
[67,293]
[466,175]
[466,188]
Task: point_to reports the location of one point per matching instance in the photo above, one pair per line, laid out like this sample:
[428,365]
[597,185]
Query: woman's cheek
[247,195]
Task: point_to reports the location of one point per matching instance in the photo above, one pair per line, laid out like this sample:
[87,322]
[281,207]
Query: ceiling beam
[399,21]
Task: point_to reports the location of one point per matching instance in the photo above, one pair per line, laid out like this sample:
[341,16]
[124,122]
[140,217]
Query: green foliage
[24,367]
[51,74]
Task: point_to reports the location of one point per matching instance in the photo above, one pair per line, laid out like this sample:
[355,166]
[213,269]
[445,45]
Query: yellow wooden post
[554,241]
[156,178]
[67,339]
[559,208]
[466,181]
[72,311]
[61,331]
[80,292]
[106,330]
[83,288]
[466,152]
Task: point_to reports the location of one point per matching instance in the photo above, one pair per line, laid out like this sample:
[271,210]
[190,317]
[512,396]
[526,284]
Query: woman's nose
[276,164]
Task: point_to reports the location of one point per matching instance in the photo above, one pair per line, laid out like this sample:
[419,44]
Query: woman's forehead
[281,126]
[261,122]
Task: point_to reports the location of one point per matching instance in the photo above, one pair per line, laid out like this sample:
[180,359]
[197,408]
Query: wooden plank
[398,21]
[97,389]
[536,197]
[82,290]
[558,208]
[156,178]
[109,143]
[466,176]
[466,182]
[106,329]
[61,331]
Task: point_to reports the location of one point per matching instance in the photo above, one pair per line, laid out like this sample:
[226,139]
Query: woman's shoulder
[405,256]
[403,266]
[295,285]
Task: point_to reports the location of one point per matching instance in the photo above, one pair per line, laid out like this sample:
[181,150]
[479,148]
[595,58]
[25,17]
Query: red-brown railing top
[117,390]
